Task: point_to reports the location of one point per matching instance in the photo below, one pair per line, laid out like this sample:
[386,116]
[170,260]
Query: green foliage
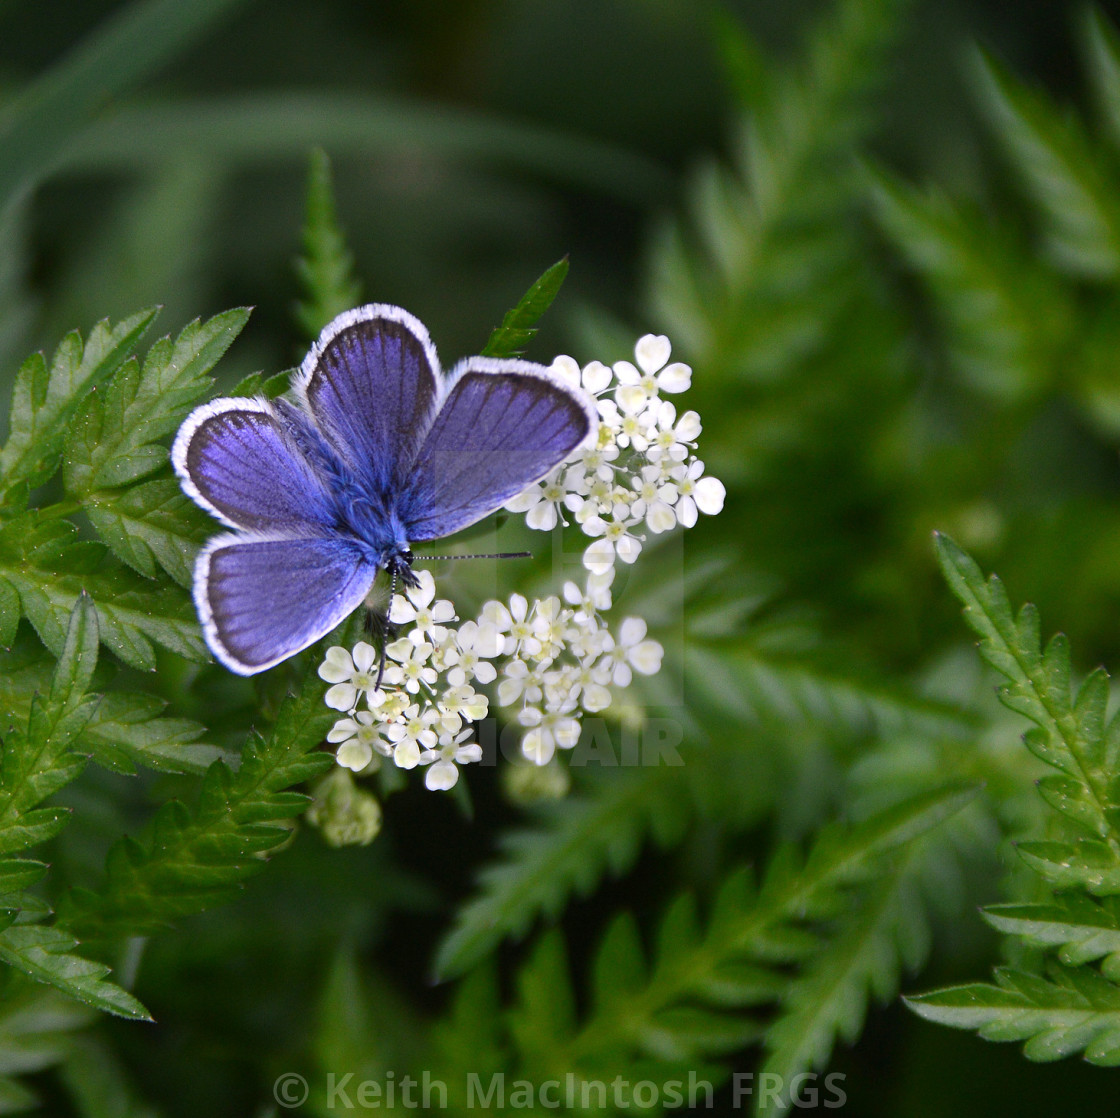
[326,267]
[1073,1007]
[898,320]
[520,324]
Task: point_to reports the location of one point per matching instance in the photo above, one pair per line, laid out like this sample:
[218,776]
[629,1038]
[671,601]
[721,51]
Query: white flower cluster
[639,471]
[555,659]
[415,717]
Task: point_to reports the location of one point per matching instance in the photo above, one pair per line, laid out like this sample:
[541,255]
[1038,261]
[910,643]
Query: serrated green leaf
[151,525]
[113,441]
[520,324]
[1060,167]
[51,566]
[44,401]
[9,613]
[325,266]
[188,861]
[1006,318]
[45,954]
[1082,928]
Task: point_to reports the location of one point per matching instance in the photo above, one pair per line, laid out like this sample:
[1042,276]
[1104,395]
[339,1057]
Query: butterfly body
[379,451]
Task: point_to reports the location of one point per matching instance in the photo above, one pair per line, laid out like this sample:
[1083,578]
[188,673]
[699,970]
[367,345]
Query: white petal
[342,696]
[598,558]
[596,377]
[652,351]
[674,378]
[401,610]
[442,611]
[686,512]
[509,690]
[710,494]
[538,747]
[626,374]
[622,675]
[337,665]
[344,728]
[365,656]
[465,754]
[567,369]
[441,776]
[632,398]
[524,500]
[689,428]
[661,517]
[595,698]
[496,614]
[632,630]
[407,755]
[567,732]
[354,755]
[542,516]
[629,549]
[646,657]
[484,672]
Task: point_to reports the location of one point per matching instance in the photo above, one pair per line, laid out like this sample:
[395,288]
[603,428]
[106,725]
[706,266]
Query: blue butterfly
[379,451]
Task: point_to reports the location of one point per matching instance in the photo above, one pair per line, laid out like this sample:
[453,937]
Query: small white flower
[672,438]
[351,674]
[697,492]
[614,540]
[475,645]
[419,609]
[637,386]
[514,625]
[412,664]
[443,774]
[594,378]
[464,702]
[358,739]
[655,500]
[519,682]
[633,651]
[548,732]
[594,598]
[541,502]
[413,731]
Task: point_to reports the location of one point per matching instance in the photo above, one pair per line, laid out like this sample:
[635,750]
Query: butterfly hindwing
[502,425]
[371,383]
[262,599]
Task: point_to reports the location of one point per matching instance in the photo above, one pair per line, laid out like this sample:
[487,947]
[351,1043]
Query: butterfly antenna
[385,628]
[492,555]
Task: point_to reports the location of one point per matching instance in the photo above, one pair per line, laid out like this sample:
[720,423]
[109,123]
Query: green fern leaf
[888,932]
[565,854]
[1071,732]
[1084,930]
[47,563]
[520,324]
[325,266]
[1061,168]
[44,954]
[1006,318]
[685,1010]
[46,400]
[1075,1011]
[188,861]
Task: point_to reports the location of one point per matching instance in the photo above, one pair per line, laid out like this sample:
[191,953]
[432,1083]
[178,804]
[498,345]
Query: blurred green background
[872,360]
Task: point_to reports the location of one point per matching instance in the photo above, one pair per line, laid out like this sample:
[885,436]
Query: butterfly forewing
[239,460]
[503,425]
[371,384]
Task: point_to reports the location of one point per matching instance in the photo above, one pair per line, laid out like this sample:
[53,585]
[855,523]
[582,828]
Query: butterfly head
[398,562]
